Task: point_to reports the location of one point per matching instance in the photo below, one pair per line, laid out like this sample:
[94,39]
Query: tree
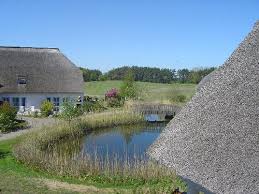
[91,75]
[146,74]
[128,89]
[183,75]
[196,75]
[7,117]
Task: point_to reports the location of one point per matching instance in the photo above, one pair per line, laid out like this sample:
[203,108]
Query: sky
[105,34]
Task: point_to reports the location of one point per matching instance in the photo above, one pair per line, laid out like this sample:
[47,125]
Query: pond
[124,143]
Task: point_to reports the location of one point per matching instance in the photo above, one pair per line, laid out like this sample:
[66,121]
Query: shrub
[36,114]
[177,97]
[113,98]
[93,106]
[7,117]
[46,108]
[69,111]
[128,89]
[181,98]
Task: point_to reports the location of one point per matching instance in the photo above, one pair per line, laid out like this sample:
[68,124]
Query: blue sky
[110,33]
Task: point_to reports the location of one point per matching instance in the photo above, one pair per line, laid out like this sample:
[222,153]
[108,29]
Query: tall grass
[40,150]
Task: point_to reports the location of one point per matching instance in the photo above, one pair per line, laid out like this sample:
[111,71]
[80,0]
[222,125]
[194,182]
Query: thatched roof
[214,141]
[45,70]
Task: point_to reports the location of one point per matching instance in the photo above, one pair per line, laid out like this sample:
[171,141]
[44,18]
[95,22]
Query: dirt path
[34,124]
[57,185]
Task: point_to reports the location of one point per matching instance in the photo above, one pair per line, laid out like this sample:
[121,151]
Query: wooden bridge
[154,108]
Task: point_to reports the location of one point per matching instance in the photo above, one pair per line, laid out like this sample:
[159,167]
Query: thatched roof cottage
[29,76]
[213,143]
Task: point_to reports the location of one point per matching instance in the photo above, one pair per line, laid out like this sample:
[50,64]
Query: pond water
[124,143]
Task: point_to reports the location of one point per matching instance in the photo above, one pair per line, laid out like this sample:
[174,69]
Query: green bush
[7,118]
[114,102]
[128,89]
[180,98]
[90,106]
[36,114]
[46,108]
[177,97]
[69,111]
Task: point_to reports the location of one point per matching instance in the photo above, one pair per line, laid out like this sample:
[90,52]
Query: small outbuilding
[28,76]
[213,143]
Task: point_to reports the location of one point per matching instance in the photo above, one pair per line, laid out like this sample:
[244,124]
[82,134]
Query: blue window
[21,79]
[23,101]
[56,103]
[16,102]
[6,99]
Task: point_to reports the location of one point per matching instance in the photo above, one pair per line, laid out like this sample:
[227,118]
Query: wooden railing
[153,108]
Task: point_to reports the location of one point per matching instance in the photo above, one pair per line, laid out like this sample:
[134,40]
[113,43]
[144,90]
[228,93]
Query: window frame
[14,103]
[6,99]
[56,103]
[21,80]
[23,101]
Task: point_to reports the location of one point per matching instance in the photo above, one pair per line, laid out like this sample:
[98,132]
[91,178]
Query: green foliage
[145,74]
[7,118]
[103,77]
[177,96]
[157,75]
[183,75]
[69,111]
[36,114]
[46,108]
[128,89]
[180,98]
[114,102]
[93,105]
[196,75]
[91,75]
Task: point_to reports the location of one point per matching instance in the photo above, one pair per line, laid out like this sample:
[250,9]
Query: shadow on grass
[3,154]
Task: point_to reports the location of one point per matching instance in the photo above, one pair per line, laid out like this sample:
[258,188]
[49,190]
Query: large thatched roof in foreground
[214,140]
[45,70]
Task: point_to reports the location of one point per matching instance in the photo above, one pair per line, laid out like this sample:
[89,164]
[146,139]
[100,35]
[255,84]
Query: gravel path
[34,124]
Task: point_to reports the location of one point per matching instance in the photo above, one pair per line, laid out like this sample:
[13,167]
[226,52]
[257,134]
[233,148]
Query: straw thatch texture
[45,70]
[214,140]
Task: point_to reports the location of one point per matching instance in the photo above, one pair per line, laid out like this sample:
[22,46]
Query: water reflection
[124,143]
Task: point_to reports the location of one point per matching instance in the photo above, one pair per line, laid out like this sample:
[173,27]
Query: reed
[41,150]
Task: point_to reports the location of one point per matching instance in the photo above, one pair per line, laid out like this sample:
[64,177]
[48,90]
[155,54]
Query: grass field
[150,92]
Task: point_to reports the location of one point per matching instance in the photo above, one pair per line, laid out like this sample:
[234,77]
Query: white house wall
[34,101]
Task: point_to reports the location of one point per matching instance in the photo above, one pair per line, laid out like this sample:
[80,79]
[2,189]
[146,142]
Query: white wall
[34,100]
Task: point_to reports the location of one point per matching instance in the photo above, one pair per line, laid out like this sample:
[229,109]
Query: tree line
[149,74]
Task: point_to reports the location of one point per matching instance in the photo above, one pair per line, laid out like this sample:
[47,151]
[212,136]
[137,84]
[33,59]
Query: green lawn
[17,178]
[150,92]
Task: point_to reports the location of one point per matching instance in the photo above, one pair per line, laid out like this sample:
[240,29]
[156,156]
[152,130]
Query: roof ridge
[29,47]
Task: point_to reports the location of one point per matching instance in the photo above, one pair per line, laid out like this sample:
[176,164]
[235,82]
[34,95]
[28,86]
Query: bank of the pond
[19,178]
[36,151]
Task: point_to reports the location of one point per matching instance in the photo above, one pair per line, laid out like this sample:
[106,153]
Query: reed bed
[40,150]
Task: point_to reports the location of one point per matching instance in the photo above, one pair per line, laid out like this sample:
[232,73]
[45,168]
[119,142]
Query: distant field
[148,91]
